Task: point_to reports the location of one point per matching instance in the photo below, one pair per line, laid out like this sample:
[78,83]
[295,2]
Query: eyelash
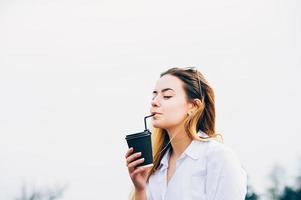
[168,97]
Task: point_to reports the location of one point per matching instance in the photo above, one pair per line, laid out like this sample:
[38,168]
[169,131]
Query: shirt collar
[194,151]
[164,160]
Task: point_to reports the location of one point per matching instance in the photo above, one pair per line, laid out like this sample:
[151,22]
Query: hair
[203,119]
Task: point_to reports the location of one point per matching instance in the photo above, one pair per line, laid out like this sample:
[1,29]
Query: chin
[157,125]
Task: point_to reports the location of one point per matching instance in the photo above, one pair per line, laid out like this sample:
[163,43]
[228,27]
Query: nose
[155,102]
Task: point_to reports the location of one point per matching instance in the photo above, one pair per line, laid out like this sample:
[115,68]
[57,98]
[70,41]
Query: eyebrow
[163,90]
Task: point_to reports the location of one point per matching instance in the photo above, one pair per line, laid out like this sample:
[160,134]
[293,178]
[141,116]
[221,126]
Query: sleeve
[226,179]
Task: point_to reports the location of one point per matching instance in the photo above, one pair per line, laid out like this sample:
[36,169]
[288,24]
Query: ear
[194,104]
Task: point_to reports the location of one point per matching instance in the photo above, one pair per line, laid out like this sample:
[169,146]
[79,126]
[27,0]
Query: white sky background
[76,77]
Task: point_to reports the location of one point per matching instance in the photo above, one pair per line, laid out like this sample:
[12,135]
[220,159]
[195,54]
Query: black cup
[141,142]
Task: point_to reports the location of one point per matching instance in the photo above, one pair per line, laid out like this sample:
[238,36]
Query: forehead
[169,81]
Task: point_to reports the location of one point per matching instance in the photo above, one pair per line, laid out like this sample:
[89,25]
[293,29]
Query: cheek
[175,113]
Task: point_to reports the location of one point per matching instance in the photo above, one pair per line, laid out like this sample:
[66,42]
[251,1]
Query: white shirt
[205,171]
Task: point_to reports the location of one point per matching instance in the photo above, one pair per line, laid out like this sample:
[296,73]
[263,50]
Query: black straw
[145,121]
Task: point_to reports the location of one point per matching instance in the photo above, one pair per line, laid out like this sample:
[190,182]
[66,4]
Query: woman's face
[169,102]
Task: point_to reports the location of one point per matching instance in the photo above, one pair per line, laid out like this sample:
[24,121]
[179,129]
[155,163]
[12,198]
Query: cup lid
[137,135]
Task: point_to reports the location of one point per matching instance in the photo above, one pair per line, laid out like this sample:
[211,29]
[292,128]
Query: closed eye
[165,97]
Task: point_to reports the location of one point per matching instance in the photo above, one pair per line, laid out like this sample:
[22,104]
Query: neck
[180,140]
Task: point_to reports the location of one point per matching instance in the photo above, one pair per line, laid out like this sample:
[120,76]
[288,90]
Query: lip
[156,113]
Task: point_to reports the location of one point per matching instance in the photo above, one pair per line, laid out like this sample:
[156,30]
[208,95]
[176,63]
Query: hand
[137,174]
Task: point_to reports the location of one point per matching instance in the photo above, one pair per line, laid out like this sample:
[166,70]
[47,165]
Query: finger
[129,152]
[133,157]
[133,164]
[139,170]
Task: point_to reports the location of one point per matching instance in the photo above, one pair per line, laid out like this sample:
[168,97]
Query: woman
[190,163]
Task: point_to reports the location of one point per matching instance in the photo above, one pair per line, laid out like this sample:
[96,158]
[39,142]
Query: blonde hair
[203,119]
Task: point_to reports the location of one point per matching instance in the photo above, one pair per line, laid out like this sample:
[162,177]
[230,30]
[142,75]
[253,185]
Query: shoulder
[216,150]
[214,147]
[218,154]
